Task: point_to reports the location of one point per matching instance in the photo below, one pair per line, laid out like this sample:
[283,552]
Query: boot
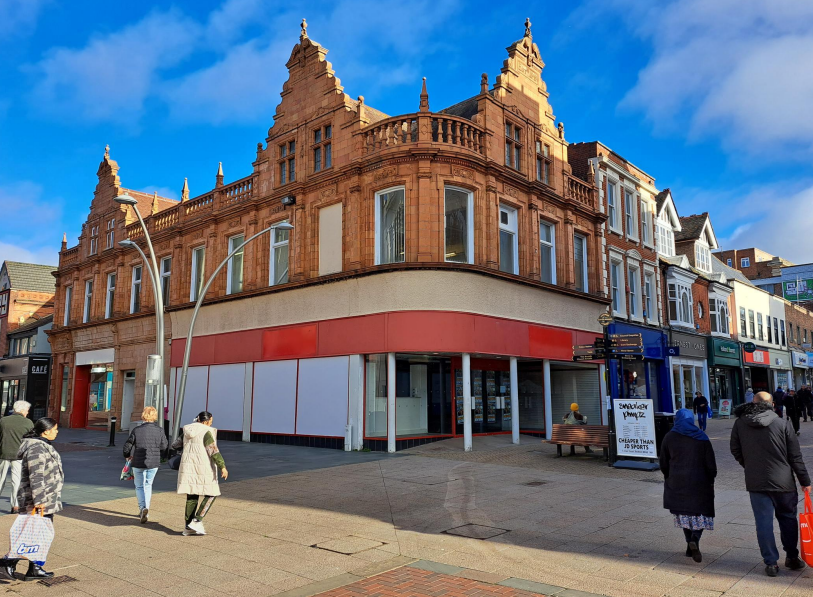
[7,568]
[36,572]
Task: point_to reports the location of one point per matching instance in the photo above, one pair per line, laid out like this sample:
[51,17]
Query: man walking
[779,401]
[701,409]
[805,396]
[768,449]
[12,429]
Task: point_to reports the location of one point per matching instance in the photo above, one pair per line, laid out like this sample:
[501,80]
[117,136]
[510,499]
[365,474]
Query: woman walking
[197,474]
[41,483]
[689,468]
[143,449]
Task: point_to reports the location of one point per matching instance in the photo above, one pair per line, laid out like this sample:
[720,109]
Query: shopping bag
[711,412]
[30,537]
[127,471]
[806,532]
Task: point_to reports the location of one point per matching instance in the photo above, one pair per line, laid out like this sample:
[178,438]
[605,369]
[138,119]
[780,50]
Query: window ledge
[721,335]
[620,314]
[681,324]
[633,239]
[638,319]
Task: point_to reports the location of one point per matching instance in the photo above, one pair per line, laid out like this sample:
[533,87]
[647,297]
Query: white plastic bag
[30,538]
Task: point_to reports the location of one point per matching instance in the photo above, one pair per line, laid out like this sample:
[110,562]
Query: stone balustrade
[440,129]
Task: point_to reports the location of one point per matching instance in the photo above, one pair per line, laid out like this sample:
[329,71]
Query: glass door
[688,387]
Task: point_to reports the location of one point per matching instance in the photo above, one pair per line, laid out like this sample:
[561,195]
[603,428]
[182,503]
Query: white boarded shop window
[194,401]
[274,403]
[322,399]
[330,241]
[225,396]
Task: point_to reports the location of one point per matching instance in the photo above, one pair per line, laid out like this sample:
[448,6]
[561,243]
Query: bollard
[112,432]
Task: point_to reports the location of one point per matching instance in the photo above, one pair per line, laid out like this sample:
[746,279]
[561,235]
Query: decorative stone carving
[463,173]
[328,192]
[511,191]
[385,173]
[235,222]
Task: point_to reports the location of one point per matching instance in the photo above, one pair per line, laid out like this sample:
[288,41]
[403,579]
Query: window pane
[391,227]
[516,133]
[236,265]
[328,156]
[291,146]
[328,132]
[508,130]
[317,159]
[282,151]
[547,263]
[198,265]
[539,168]
[317,136]
[516,157]
[546,233]
[292,169]
[506,252]
[539,147]
[281,264]
[282,172]
[376,398]
[457,226]
[580,263]
[507,154]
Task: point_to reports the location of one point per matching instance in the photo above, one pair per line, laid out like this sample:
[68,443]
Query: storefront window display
[531,394]
[101,389]
[686,380]
[376,396]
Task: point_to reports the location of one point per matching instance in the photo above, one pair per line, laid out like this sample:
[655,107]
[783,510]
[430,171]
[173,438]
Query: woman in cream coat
[197,475]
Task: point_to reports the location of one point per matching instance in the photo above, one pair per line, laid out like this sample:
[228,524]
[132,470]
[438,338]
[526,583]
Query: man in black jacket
[806,398]
[767,447]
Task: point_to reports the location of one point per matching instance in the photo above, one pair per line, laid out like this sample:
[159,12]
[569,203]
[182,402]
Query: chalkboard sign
[635,428]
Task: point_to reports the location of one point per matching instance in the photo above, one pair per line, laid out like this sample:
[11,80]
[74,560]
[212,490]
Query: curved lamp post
[155,276]
[176,424]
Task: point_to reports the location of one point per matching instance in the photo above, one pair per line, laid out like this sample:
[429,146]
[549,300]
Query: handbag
[806,531]
[127,471]
[30,537]
[175,462]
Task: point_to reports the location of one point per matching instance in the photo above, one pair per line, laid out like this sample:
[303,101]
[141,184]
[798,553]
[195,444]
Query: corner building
[441,266]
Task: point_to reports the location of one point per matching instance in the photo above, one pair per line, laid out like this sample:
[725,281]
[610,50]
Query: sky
[712,98]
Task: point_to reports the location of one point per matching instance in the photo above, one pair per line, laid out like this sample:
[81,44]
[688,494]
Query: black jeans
[782,505]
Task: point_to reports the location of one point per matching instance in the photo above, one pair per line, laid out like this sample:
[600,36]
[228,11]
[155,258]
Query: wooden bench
[579,435]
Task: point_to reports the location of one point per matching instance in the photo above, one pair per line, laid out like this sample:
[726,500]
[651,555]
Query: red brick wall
[24,306]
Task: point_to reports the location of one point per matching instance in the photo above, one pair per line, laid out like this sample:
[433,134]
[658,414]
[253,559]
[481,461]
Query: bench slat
[580,435]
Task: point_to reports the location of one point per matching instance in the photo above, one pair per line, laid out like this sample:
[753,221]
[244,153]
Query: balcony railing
[199,205]
[440,129]
[237,191]
[580,191]
[69,256]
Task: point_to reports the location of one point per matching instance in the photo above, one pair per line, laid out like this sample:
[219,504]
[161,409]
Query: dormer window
[681,303]
[287,162]
[702,256]
[513,146]
[665,238]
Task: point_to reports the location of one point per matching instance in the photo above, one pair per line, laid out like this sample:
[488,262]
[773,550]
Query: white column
[467,402]
[546,390]
[602,380]
[391,402]
[171,398]
[248,389]
[355,409]
[514,401]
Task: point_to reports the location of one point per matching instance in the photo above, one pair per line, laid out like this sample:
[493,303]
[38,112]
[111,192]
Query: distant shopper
[574,417]
[40,486]
[12,429]
[143,449]
[689,468]
[749,395]
[779,401]
[792,410]
[806,400]
[768,450]
[197,475]
[701,409]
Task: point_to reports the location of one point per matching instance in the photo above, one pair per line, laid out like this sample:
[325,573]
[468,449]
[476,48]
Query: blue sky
[711,97]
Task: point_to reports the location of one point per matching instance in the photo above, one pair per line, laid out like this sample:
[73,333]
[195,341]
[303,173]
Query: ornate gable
[109,182]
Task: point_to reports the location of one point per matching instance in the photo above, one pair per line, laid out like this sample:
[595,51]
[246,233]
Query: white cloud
[110,78]
[19,17]
[31,230]
[162,192]
[740,71]
[48,255]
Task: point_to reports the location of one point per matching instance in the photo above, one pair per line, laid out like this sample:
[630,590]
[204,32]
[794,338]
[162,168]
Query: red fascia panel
[430,330]
[500,336]
[353,335]
[203,350]
[550,343]
[298,341]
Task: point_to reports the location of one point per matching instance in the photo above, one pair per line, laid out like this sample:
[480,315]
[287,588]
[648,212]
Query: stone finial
[259,148]
[107,151]
[528,28]
[219,177]
[561,128]
[424,98]
[303,34]
[484,83]
[64,241]
[591,173]
[185,190]
[155,202]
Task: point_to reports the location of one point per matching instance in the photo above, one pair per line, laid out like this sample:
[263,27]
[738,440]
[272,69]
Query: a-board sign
[725,407]
[635,427]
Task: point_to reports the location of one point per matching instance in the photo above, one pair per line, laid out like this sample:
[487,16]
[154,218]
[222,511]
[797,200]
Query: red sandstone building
[441,266]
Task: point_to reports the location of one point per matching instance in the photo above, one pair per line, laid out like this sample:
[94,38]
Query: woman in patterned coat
[40,484]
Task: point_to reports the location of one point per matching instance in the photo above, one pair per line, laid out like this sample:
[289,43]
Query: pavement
[502,520]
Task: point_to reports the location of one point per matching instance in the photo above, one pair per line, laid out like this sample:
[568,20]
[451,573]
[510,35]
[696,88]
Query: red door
[81,398]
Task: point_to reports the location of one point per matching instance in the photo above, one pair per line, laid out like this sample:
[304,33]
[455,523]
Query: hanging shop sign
[635,427]
[799,359]
[798,290]
[758,357]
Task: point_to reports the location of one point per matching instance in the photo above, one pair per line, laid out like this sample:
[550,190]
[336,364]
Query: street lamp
[155,276]
[188,347]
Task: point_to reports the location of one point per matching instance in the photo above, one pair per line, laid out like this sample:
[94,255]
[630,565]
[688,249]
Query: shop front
[25,378]
[781,369]
[810,367]
[725,368]
[93,388]
[757,371]
[689,369]
[645,378]
[800,367]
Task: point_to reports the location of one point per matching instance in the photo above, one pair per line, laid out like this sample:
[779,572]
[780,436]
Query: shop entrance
[490,396]
[686,380]
[757,379]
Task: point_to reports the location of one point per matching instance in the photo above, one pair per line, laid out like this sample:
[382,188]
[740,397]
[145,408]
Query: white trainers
[187,531]
[197,526]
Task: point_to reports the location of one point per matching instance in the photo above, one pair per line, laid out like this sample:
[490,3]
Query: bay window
[718,314]
[459,225]
[390,230]
[509,261]
[680,303]
[547,251]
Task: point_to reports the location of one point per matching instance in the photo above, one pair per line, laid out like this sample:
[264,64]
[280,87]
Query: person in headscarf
[689,468]
[574,417]
[749,395]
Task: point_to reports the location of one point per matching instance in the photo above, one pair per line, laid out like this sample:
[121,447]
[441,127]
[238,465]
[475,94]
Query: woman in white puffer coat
[197,475]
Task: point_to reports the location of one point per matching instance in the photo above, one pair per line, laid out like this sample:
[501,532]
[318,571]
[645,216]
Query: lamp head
[283,226]
[126,243]
[125,199]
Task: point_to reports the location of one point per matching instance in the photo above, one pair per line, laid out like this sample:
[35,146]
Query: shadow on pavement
[111,518]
